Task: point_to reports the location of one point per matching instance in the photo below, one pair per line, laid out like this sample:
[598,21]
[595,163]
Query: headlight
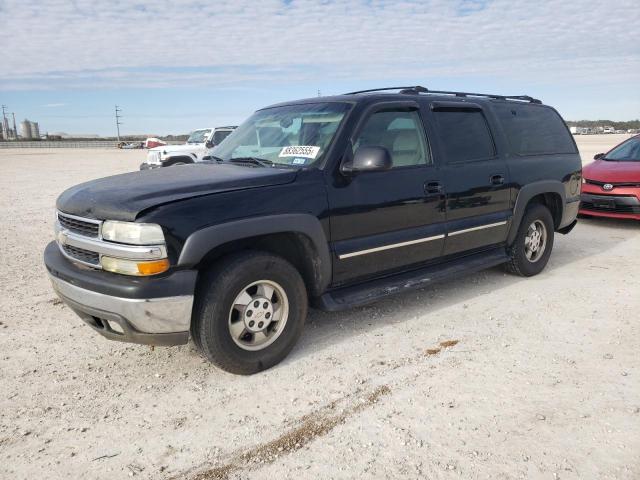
[132,233]
[134,267]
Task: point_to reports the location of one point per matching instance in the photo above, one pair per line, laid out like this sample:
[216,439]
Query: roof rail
[416,90]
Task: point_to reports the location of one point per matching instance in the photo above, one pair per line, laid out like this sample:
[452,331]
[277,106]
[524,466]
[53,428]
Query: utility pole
[319,94]
[118,123]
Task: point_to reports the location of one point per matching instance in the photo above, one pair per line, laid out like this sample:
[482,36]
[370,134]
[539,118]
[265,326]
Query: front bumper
[621,202]
[150,311]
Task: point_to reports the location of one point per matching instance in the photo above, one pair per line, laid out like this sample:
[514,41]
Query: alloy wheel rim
[258,315]
[535,241]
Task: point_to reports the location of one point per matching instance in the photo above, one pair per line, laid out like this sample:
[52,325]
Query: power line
[118,122]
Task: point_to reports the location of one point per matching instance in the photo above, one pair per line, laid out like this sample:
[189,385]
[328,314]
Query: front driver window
[400,132]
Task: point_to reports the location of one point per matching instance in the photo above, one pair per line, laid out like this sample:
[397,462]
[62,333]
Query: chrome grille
[80,226]
[82,255]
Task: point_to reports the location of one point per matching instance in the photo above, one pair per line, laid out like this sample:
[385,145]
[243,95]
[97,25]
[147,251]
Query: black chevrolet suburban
[334,202]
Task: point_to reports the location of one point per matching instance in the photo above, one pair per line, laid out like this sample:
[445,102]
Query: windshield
[628,151]
[199,136]
[292,135]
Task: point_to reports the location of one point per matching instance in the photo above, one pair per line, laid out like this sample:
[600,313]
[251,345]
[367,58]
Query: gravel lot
[543,382]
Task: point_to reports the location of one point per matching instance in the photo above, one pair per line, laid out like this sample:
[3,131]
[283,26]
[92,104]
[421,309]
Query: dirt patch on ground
[310,428]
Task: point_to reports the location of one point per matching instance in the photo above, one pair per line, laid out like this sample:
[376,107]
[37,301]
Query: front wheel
[250,310]
[532,247]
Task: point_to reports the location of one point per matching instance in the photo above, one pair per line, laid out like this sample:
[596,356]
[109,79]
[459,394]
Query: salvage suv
[334,202]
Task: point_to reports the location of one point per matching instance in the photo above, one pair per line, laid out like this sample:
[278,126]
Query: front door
[386,220]
[475,177]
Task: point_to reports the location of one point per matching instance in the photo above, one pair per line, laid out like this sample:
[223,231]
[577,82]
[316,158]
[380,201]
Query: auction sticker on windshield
[307,151]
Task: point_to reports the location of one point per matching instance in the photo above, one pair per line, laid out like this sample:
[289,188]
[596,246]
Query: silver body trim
[150,315]
[473,229]
[419,240]
[102,247]
[387,247]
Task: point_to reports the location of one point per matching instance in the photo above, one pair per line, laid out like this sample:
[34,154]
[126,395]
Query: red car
[611,183]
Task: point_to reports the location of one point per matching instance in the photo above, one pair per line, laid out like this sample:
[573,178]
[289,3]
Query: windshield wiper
[260,162]
[212,158]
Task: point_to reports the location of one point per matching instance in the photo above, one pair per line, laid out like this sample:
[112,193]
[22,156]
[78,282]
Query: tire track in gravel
[310,427]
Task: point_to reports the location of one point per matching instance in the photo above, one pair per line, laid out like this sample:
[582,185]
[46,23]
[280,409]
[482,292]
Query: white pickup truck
[198,144]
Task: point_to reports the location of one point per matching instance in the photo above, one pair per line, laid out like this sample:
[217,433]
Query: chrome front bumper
[153,321]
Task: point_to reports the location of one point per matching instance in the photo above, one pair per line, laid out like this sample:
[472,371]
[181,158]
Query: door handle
[433,188]
[497,179]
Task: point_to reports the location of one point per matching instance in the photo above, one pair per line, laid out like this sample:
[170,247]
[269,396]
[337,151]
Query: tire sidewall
[216,339]
[536,212]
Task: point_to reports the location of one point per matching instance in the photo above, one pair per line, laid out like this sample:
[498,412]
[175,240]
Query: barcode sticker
[307,151]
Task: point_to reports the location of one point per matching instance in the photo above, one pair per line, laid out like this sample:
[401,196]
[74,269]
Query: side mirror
[368,159]
[598,156]
[208,144]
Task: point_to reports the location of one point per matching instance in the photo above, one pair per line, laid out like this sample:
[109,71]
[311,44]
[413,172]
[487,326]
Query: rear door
[386,220]
[475,177]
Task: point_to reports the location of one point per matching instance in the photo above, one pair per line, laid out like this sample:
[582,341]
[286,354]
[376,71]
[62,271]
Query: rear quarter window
[534,130]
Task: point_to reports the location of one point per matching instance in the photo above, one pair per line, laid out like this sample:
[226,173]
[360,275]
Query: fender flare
[525,194]
[201,242]
[188,157]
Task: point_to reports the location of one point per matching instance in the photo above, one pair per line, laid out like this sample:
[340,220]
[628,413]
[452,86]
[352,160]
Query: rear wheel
[250,310]
[533,244]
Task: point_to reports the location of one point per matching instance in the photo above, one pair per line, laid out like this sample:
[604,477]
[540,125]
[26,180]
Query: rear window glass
[464,135]
[533,130]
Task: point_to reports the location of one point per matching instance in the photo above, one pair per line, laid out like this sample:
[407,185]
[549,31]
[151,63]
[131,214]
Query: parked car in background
[611,183]
[608,130]
[196,147]
[154,142]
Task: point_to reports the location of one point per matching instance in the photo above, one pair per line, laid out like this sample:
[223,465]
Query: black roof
[397,92]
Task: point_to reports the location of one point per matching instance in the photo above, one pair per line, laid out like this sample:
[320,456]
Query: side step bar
[357,295]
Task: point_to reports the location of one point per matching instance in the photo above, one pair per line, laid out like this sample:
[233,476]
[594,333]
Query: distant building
[35,130]
[25,128]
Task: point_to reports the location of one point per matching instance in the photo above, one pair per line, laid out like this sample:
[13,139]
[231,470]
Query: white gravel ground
[544,381]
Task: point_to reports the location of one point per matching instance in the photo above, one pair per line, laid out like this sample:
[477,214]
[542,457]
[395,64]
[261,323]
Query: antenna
[118,122]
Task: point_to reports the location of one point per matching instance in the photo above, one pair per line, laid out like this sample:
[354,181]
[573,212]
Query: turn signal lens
[134,267]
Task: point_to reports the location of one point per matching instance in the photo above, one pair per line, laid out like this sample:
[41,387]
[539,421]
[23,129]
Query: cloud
[85,44]
[53,105]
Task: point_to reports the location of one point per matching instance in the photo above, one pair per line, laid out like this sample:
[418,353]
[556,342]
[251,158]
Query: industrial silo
[25,126]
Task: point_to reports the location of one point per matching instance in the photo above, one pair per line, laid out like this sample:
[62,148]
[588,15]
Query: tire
[524,261]
[222,307]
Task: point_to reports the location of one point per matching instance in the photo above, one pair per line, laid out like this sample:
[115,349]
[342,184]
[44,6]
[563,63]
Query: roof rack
[416,90]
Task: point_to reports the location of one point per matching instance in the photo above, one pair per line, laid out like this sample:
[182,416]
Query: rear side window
[533,130]
[464,135]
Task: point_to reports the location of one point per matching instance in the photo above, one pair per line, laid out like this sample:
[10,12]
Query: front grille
[82,255]
[615,184]
[81,227]
[617,208]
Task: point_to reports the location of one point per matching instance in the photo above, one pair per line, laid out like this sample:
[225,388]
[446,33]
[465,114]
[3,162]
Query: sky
[174,66]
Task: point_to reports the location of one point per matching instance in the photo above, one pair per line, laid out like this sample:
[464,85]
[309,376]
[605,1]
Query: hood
[612,172]
[124,197]
[185,147]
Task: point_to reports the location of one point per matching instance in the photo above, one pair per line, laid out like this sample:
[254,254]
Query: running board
[357,295]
